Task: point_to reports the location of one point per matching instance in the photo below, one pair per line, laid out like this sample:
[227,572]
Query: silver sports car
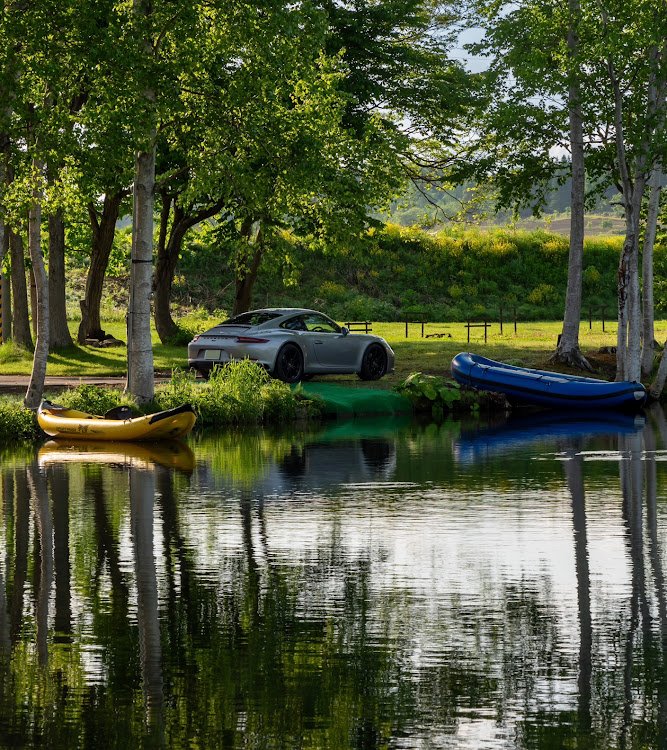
[292,344]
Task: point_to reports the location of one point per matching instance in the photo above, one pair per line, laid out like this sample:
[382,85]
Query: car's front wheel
[289,364]
[374,363]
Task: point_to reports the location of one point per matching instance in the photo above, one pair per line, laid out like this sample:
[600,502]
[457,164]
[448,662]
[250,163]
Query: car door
[333,350]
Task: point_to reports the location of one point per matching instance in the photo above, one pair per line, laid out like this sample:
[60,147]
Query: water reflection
[393,585]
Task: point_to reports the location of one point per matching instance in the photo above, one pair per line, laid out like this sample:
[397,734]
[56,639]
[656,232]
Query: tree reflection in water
[118,630]
[575,480]
[142,499]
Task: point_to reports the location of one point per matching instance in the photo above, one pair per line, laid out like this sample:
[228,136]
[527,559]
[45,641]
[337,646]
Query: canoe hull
[70,424]
[542,388]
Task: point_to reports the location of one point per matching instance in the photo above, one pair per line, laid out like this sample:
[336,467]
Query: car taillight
[195,338]
[251,340]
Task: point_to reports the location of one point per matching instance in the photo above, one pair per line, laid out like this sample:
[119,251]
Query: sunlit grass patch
[12,354]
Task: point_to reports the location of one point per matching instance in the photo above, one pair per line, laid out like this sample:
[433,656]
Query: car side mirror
[344,330]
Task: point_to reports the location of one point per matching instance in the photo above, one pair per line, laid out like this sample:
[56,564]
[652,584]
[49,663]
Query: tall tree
[36,384]
[537,103]
[568,350]
[306,134]
[614,77]
[21,333]
[140,377]
[103,220]
[170,241]
[648,307]
[167,49]
[632,56]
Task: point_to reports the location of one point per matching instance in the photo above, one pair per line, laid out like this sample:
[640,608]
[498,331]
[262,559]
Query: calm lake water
[371,584]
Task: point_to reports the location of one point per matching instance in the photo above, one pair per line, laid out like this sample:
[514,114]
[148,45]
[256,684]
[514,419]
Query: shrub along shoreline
[240,394]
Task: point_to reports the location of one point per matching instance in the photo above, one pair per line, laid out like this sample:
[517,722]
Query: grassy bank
[453,274]
[243,394]
[240,394]
[532,345]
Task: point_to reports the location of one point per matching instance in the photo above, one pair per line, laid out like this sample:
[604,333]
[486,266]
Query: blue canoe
[541,388]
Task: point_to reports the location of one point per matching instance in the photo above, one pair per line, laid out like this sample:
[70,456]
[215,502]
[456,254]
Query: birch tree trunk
[634,347]
[568,350]
[5,324]
[140,375]
[628,340]
[36,386]
[648,312]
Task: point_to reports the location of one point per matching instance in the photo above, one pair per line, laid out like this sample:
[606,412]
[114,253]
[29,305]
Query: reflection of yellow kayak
[170,453]
[117,424]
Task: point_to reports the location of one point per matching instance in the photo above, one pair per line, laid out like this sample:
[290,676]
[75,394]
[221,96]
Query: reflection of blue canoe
[543,388]
[546,427]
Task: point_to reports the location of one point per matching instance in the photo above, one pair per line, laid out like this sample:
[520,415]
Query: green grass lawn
[88,360]
[531,345]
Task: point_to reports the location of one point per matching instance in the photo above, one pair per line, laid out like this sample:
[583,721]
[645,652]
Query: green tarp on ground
[349,402]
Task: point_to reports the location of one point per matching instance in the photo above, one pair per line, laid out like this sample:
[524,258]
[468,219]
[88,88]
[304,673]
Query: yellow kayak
[170,453]
[116,424]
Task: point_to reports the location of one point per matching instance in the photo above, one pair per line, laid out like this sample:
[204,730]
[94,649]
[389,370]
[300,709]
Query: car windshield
[320,324]
[251,318]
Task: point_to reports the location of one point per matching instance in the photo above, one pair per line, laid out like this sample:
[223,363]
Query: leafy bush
[429,392]
[239,393]
[542,295]
[591,278]
[186,330]
[16,422]
[95,400]
[333,291]
[180,389]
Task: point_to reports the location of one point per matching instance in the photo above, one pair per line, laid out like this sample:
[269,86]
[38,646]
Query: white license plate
[212,354]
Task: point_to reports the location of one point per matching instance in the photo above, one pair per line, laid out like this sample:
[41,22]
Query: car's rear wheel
[374,363]
[289,364]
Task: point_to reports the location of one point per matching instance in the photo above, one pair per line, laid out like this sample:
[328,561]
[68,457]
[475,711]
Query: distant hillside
[596,225]
[424,207]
